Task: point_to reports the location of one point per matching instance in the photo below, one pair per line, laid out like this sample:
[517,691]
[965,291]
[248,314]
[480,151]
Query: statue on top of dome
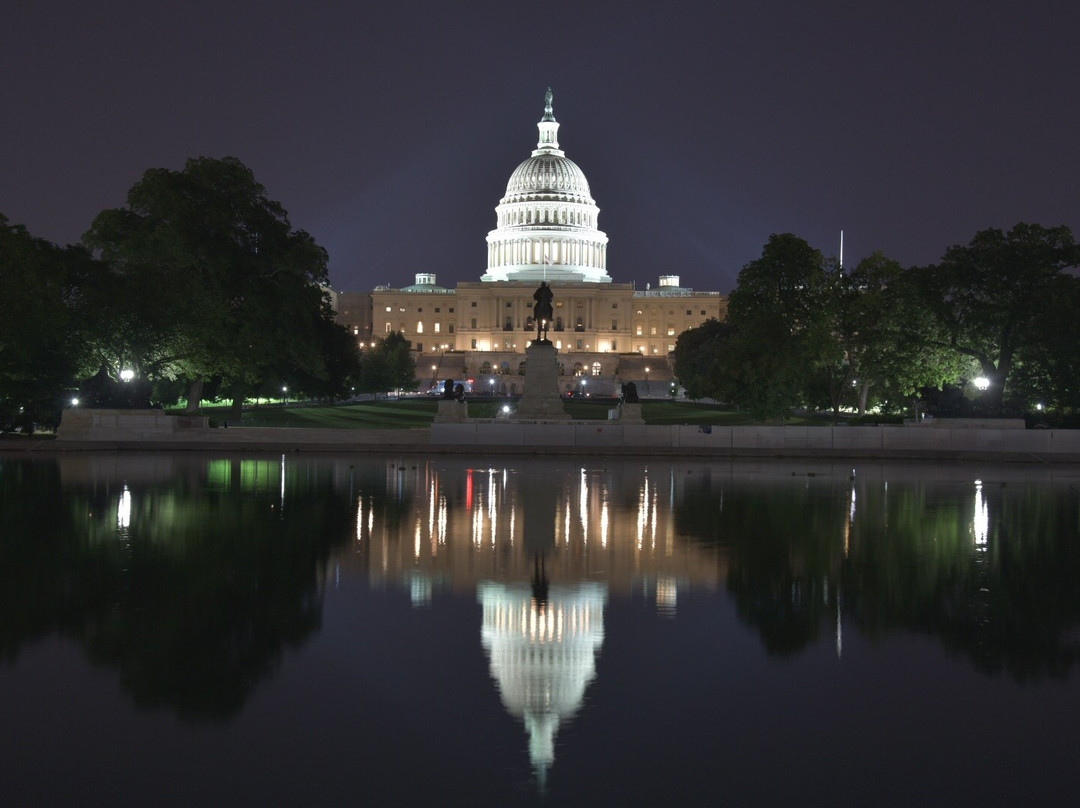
[542,311]
[549,115]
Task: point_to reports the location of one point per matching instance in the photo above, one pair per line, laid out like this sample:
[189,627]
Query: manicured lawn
[419,412]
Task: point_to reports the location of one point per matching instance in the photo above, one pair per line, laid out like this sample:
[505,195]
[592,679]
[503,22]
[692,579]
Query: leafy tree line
[803,332]
[199,286]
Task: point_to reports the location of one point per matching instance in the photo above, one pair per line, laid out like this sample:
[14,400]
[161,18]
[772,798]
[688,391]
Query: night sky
[389,130]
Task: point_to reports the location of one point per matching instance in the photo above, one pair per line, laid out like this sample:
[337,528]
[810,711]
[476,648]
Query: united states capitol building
[547,229]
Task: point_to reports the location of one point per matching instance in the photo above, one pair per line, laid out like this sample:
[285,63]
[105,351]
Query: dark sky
[389,130]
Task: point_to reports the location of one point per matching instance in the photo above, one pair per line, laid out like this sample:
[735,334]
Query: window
[578,369]
[419,346]
[450,328]
[451,309]
[472,323]
[670,348]
[508,304]
[388,328]
[579,324]
[703,312]
[473,346]
[688,312]
[579,342]
[485,368]
[420,311]
[637,331]
[614,345]
[420,327]
[508,324]
[614,325]
[438,328]
[437,310]
[652,331]
[474,304]
[614,305]
[389,308]
[595,368]
[670,330]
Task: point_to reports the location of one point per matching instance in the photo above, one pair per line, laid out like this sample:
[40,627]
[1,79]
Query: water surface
[290,630]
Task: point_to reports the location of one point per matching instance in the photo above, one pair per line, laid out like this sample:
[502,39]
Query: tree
[989,295]
[238,293]
[892,342]
[697,352]
[1048,370]
[781,328]
[388,366]
[40,342]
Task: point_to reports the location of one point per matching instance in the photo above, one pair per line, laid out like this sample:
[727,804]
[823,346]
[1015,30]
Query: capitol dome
[546,223]
[549,175]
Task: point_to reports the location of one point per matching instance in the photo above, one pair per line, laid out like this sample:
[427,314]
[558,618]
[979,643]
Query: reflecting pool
[298,630]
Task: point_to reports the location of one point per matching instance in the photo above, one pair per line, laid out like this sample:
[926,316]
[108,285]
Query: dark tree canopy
[41,343]
[208,280]
[989,296]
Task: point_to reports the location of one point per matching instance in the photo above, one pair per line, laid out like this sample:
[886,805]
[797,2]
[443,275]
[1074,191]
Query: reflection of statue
[542,311]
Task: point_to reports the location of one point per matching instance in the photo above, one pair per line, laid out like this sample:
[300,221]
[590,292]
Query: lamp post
[433,369]
[646,379]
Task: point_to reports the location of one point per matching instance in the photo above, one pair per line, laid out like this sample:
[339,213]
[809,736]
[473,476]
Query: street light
[433,369]
[981,382]
[646,378]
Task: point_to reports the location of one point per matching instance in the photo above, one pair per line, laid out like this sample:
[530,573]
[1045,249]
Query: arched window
[521,368]
[579,370]
[595,368]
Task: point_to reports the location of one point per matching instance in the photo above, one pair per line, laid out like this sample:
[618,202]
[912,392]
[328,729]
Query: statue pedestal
[541,397]
[630,413]
[452,411]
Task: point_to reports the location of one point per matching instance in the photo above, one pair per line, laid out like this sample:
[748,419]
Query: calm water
[233,630]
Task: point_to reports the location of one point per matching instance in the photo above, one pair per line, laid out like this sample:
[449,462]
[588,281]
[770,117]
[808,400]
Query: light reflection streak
[583,505]
[123,510]
[980,523]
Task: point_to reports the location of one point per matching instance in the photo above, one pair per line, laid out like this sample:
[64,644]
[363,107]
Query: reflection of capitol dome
[546,222]
[542,656]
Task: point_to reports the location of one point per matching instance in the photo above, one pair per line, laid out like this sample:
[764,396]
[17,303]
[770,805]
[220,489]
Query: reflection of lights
[667,595]
[583,505]
[980,523]
[123,510]
[603,523]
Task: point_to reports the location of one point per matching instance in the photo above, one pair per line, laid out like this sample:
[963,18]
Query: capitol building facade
[547,229]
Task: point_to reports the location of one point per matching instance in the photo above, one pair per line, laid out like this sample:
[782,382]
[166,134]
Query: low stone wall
[79,424]
[780,441]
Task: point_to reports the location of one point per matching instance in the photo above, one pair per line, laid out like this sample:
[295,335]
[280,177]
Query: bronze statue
[543,311]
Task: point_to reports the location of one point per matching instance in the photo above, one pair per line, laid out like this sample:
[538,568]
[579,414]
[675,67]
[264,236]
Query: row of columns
[572,252]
